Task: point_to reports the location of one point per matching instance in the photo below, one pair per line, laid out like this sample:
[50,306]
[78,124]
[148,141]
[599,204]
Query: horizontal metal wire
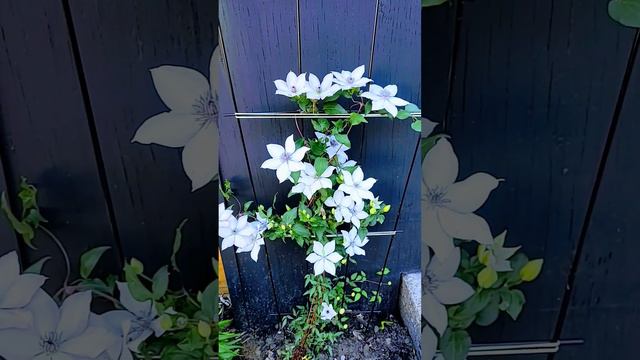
[373,233]
[521,348]
[288,115]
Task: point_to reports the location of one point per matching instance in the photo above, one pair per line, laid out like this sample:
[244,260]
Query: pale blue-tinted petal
[318,267]
[318,248]
[21,291]
[434,312]
[170,129]
[283,172]
[429,343]
[469,194]
[200,156]
[15,319]
[440,166]
[334,257]
[398,102]
[465,226]
[313,258]
[74,315]
[179,87]
[328,266]
[46,313]
[90,343]
[452,291]
[275,150]
[445,268]
[391,109]
[10,269]
[19,344]
[434,236]
[392,90]
[271,164]
[329,247]
[358,72]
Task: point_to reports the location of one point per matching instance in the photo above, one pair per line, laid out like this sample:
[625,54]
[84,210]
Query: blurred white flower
[355,185]
[119,323]
[341,203]
[355,212]
[327,313]
[496,256]
[224,214]
[16,291]
[59,333]
[440,288]
[191,121]
[324,257]
[351,79]
[239,233]
[384,98]
[285,160]
[353,243]
[376,203]
[448,206]
[317,90]
[333,146]
[310,181]
[295,85]
[145,319]
[255,241]
[344,163]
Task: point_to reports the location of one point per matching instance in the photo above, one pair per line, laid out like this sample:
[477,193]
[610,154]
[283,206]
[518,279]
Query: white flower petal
[329,247]
[200,156]
[433,234]
[138,308]
[452,291]
[298,155]
[446,268]
[10,269]
[398,102]
[469,194]
[227,242]
[318,267]
[334,257]
[90,343]
[434,312]
[329,267]
[391,109]
[281,85]
[283,172]
[22,290]
[170,129]
[358,72]
[313,258]
[15,318]
[74,315]
[271,164]
[440,165]
[318,248]
[46,313]
[275,150]
[465,226]
[429,343]
[290,145]
[19,344]
[179,87]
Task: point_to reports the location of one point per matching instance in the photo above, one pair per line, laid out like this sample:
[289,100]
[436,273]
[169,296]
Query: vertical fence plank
[46,135]
[535,89]
[389,146]
[119,41]
[261,47]
[603,308]
[246,278]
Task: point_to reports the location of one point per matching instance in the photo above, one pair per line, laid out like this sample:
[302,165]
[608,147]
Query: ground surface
[391,343]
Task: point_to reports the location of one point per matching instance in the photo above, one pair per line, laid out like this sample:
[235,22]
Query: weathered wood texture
[74,87]
[534,92]
[262,43]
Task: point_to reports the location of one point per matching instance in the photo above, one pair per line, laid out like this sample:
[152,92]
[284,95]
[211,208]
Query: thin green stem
[65,255]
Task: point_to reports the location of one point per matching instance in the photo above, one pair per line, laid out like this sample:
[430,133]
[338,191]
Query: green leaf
[177,244]
[89,259]
[36,268]
[137,289]
[516,303]
[367,107]
[333,109]
[343,139]
[24,229]
[289,216]
[412,108]
[531,270]
[427,3]
[626,12]
[455,344]
[209,301]
[417,126]
[321,164]
[301,230]
[160,283]
[403,114]
[356,119]
[320,125]
[489,314]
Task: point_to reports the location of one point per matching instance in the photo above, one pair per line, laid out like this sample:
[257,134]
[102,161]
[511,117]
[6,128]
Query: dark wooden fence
[545,93]
[262,42]
[74,87]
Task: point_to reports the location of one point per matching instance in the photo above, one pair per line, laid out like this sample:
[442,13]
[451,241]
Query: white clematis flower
[191,121]
[16,291]
[351,79]
[119,323]
[333,146]
[255,241]
[356,186]
[224,214]
[310,181]
[59,333]
[344,163]
[285,160]
[317,90]
[327,313]
[448,206]
[496,256]
[342,204]
[384,98]
[295,85]
[353,243]
[440,288]
[355,212]
[324,257]
[239,233]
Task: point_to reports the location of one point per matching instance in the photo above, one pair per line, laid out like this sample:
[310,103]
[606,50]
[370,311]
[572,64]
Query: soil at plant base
[358,343]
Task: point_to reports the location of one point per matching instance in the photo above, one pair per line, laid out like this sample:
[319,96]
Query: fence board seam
[88,110]
[566,297]
[458,7]
[253,189]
